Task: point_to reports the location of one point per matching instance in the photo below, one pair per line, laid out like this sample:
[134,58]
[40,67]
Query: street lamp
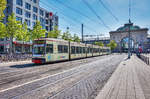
[129,41]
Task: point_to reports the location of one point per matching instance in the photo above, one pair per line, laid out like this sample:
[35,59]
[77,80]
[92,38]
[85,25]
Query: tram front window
[39,50]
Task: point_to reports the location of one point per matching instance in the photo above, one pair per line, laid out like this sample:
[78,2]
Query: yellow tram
[52,50]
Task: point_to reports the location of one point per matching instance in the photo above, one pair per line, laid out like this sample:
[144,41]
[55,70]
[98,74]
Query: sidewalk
[131,80]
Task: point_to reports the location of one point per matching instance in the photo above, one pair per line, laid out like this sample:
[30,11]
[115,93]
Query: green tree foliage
[55,33]
[2,30]
[76,38]
[99,44]
[67,36]
[112,45]
[37,31]
[2,8]
[12,29]
[2,26]
[23,34]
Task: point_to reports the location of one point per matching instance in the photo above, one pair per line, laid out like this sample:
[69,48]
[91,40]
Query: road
[79,79]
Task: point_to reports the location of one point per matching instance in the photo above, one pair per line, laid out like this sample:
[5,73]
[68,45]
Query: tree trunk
[22,47]
[11,46]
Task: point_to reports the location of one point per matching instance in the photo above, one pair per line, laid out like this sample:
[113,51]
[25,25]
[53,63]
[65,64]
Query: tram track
[22,76]
[55,84]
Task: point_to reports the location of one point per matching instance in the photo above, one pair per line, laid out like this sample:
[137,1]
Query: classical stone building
[121,37]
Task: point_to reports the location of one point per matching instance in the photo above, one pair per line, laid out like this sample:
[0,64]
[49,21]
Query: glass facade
[19,11]
[19,2]
[19,19]
[27,14]
[35,9]
[28,22]
[28,6]
[34,1]
[35,17]
[41,12]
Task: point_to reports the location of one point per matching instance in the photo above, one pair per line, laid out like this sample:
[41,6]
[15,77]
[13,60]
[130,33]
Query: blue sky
[140,15]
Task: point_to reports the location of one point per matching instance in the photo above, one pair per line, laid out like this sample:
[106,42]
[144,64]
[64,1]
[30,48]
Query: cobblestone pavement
[13,74]
[76,83]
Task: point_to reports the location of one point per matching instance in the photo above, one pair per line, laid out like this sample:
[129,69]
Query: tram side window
[84,50]
[60,49]
[49,48]
[72,49]
[65,49]
[91,50]
[88,50]
[80,49]
[77,50]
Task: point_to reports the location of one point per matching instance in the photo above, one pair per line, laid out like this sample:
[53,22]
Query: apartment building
[28,11]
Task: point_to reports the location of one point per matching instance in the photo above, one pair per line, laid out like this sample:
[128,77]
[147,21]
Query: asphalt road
[79,79]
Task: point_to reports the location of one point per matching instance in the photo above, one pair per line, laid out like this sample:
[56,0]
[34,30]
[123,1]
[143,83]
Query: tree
[99,44]
[37,31]
[23,34]
[112,45]
[55,33]
[2,26]
[76,38]
[12,28]
[2,30]
[2,8]
[67,36]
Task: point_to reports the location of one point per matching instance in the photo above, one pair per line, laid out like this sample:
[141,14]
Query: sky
[140,15]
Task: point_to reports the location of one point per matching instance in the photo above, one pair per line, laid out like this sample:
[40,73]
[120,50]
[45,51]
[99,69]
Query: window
[28,22]
[9,1]
[35,17]
[65,49]
[39,50]
[19,11]
[27,14]
[41,12]
[28,6]
[46,21]
[34,1]
[8,9]
[62,49]
[49,48]
[77,50]
[33,24]
[41,20]
[88,50]
[19,19]
[35,9]
[91,50]
[80,50]
[47,28]
[19,2]
[84,50]
[72,49]
[47,15]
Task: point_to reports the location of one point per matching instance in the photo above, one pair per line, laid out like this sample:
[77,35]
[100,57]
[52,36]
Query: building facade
[121,37]
[93,39]
[28,11]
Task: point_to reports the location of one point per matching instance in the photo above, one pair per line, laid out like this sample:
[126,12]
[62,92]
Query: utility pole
[129,41]
[82,32]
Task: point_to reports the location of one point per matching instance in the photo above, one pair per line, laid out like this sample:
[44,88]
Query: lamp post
[129,41]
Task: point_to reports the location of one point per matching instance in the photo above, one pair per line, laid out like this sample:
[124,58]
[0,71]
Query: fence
[14,57]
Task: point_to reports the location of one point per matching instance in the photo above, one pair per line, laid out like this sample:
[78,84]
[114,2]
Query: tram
[52,50]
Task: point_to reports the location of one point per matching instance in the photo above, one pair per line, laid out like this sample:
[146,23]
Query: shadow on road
[25,65]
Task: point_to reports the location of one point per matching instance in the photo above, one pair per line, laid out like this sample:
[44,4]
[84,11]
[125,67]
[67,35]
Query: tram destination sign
[39,42]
